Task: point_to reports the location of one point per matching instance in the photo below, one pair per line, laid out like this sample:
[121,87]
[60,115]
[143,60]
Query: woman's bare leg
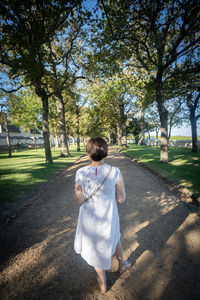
[119,254]
[101,277]
[123,264]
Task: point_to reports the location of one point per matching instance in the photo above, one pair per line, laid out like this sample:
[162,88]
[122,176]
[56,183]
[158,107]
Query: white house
[20,137]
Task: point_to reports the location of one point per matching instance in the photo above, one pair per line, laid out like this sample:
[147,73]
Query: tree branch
[11,91]
[196,101]
[109,23]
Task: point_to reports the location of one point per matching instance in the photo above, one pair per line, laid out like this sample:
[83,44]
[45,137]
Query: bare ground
[160,234]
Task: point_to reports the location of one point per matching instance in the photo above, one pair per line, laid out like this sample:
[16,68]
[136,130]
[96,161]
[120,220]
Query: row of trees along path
[147,51]
[159,233]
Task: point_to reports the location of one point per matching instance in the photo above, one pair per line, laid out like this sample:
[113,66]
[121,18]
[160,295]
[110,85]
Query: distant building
[20,137]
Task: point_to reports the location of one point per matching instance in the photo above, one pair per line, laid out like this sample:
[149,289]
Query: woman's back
[90,178]
[98,216]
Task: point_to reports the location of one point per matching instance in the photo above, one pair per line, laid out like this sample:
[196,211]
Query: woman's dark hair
[97,148]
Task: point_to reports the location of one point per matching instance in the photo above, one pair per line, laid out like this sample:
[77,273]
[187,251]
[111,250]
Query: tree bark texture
[157,136]
[113,137]
[149,136]
[141,135]
[119,135]
[123,129]
[62,126]
[193,123]
[163,120]
[45,128]
[78,128]
[7,136]
[55,138]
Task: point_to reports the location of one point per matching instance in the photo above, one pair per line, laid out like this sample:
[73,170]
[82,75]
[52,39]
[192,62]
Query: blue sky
[184,131]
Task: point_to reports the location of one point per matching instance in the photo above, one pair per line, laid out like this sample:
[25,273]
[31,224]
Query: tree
[110,101]
[175,114]
[4,116]
[152,117]
[157,34]
[186,83]
[193,106]
[67,62]
[134,127]
[27,27]
[25,109]
[73,99]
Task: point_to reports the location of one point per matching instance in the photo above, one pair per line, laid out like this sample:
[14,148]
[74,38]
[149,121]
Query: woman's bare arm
[120,190]
[79,197]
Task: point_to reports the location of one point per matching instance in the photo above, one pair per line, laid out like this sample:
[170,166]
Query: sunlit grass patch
[27,169]
[183,167]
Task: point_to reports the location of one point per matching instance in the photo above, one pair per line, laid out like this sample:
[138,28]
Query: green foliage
[35,25]
[25,109]
[183,167]
[106,98]
[134,127]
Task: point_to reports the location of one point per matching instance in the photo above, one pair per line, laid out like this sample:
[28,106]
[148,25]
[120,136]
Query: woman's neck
[97,163]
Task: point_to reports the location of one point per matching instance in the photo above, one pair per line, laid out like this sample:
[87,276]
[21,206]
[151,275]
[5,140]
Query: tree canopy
[100,69]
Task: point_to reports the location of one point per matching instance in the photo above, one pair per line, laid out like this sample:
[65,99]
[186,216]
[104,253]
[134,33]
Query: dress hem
[99,266]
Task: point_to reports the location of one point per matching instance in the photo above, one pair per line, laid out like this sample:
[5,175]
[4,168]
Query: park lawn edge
[183,192]
[11,210]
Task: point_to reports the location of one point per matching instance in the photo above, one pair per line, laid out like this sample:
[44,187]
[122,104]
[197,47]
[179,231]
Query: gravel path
[160,234]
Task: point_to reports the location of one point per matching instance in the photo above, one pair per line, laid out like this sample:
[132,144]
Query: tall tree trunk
[123,119]
[163,129]
[109,138]
[194,133]
[157,136]
[84,144]
[193,123]
[7,135]
[136,139]
[163,120]
[35,146]
[170,131]
[62,126]
[45,119]
[119,135]
[141,135]
[77,128]
[112,138]
[124,132]
[73,141]
[56,142]
[45,128]
[149,136]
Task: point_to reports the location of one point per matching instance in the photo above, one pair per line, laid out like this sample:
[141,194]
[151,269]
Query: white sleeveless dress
[98,230]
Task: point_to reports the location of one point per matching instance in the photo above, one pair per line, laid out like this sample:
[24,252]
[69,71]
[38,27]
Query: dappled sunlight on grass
[183,167]
[27,168]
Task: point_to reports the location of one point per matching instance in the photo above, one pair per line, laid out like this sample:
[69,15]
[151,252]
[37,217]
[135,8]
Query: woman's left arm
[79,197]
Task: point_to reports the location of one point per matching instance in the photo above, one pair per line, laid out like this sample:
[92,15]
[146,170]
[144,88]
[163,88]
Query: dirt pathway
[160,234]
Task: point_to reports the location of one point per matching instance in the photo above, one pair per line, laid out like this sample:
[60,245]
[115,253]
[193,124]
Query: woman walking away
[98,188]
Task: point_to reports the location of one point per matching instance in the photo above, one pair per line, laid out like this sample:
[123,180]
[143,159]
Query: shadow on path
[160,234]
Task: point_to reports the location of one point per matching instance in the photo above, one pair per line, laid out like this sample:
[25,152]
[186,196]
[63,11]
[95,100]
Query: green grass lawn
[183,167]
[27,169]
[183,138]
[188,138]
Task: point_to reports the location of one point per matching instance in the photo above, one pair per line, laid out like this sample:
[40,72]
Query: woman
[97,187]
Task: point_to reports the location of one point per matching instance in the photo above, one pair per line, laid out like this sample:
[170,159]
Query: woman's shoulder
[115,169]
[82,169]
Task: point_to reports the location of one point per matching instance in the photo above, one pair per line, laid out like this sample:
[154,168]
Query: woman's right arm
[120,190]
[79,197]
